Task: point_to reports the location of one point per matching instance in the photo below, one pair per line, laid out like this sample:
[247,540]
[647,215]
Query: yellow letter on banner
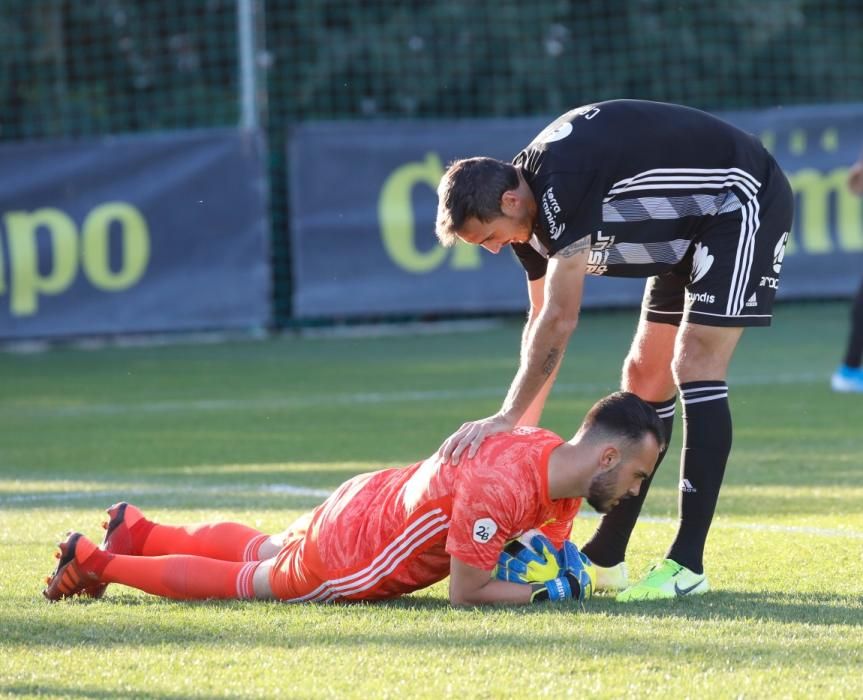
[815,189]
[849,218]
[136,246]
[396,215]
[27,282]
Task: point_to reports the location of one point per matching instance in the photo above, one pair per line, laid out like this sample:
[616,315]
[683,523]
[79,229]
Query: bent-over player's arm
[469,585]
[536,294]
[548,335]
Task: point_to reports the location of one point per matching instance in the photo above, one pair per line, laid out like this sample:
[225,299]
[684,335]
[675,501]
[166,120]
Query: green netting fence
[74,68]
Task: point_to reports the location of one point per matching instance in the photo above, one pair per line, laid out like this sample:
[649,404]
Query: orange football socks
[226,541]
[182,576]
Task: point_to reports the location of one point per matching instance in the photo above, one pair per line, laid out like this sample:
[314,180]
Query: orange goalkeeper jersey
[390,532]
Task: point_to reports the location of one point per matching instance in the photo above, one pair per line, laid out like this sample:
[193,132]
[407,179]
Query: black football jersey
[639,178]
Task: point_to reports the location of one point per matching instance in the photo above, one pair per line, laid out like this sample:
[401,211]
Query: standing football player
[848,377]
[636,189]
[387,533]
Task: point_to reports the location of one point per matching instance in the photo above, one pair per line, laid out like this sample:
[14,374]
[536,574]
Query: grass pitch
[258,431]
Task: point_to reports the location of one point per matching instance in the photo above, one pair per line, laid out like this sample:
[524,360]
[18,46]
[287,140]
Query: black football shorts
[730,274]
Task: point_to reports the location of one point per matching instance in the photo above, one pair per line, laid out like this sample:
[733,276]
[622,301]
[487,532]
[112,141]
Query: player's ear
[510,202]
[609,457]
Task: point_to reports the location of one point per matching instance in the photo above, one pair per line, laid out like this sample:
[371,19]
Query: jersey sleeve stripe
[688,172]
[744,186]
[694,177]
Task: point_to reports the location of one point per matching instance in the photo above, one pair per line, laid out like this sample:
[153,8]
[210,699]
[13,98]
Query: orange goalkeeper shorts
[291,580]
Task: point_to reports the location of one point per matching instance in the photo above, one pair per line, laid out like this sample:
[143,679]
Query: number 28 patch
[484,529]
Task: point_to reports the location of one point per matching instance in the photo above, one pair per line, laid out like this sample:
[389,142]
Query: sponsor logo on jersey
[551,209]
[703,297]
[598,256]
[602,242]
[753,300]
[559,131]
[779,253]
[484,529]
[702,261]
[554,133]
[772,282]
[587,111]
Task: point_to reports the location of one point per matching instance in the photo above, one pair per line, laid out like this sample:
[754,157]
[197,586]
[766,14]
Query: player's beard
[600,494]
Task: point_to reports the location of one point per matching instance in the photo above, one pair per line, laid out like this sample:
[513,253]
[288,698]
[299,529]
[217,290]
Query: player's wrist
[563,587]
[507,416]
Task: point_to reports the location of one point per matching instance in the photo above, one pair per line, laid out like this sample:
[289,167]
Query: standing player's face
[514,225]
[495,234]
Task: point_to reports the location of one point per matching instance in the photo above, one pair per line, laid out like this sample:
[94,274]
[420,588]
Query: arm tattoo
[550,362]
[582,245]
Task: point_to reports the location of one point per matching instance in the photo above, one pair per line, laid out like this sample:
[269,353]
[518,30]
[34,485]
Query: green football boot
[664,580]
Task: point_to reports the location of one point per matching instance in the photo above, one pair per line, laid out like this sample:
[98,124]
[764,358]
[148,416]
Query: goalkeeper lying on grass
[387,533]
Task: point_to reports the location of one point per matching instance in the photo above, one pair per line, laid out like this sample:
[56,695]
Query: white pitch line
[292,490]
[286,489]
[348,399]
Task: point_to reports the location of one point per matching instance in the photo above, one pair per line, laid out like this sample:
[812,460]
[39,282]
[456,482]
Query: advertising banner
[158,232]
[363,206]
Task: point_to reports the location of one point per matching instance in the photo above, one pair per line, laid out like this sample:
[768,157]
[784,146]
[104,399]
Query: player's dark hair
[623,413]
[471,188]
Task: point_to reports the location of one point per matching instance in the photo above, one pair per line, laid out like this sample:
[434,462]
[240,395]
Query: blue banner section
[164,232]
[363,206]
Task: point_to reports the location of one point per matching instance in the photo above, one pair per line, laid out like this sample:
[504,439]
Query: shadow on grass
[337,624]
[68,691]
[804,608]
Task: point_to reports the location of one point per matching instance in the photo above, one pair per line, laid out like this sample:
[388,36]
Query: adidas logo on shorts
[686,486]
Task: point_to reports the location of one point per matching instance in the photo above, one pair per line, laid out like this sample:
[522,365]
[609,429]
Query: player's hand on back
[470,436]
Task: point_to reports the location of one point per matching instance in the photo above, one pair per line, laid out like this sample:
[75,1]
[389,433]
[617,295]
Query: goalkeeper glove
[538,563]
[561,588]
[577,565]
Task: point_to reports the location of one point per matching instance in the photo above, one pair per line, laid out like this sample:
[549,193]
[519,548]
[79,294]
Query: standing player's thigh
[737,259]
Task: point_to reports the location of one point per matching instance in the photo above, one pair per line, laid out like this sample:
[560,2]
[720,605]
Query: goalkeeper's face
[633,464]
[602,495]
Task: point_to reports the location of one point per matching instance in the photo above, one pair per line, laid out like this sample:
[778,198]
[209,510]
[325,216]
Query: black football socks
[608,545]
[706,445]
